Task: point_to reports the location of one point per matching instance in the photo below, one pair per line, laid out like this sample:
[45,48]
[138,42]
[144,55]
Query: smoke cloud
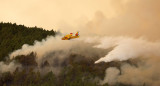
[51,44]
[111,76]
[133,18]
[146,71]
[127,48]
[41,48]
[10,67]
[54,52]
[121,48]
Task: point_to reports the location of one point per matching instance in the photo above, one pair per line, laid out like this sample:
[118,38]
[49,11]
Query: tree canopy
[13,36]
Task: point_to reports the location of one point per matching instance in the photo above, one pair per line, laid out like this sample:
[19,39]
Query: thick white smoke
[145,73]
[45,46]
[10,67]
[48,50]
[147,70]
[111,76]
[124,48]
[55,51]
[128,48]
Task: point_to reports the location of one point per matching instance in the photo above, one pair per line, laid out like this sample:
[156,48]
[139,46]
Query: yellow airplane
[70,36]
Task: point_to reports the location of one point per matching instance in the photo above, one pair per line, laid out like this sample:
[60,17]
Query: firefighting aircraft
[70,36]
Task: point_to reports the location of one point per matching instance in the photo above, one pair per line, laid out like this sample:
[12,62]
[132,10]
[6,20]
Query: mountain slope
[13,36]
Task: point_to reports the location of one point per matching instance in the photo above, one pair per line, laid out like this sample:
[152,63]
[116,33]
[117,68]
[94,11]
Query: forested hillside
[73,73]
[13,36]
[65,63]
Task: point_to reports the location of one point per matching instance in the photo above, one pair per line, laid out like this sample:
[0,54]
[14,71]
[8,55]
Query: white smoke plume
[51,44]
[146,73]
[147,54]
[10,67]
[45,46]
[128,48]
[124,48]
[56,51]
[49,49]
[111,76]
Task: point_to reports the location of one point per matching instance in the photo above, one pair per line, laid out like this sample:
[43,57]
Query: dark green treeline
[13,36]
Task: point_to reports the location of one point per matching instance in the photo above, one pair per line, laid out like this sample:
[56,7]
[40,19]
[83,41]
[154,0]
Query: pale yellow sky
[48,13]
[103,17]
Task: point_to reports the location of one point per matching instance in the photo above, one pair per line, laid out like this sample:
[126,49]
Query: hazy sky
[48,13]
[111,17]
